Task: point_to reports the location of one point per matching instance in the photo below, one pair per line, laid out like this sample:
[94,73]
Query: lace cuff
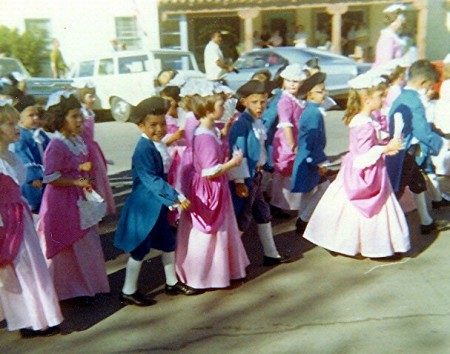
[53,177]
[285,125]
[212,170]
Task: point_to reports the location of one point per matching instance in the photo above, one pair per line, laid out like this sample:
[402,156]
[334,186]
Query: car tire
[120,109]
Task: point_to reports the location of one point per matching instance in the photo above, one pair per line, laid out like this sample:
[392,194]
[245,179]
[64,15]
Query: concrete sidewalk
[316,304]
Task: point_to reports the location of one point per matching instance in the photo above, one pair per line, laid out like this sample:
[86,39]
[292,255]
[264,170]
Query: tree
[29,47]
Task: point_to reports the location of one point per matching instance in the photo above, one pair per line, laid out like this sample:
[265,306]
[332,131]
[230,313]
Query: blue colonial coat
[270,121]
[150,194]
[310,151]
[243,137]
[409,104]
[28,151]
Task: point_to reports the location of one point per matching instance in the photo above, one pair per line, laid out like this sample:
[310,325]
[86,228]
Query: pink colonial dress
[389,46]
[98,173]
[209,248]
[69,235]
[359,213]
[289,112]
[27,295]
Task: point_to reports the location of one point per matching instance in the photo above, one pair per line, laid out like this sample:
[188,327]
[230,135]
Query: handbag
[92,209]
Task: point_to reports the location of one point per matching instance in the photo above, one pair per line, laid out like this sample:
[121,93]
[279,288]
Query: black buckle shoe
[31,333]
[181,288]
[426,229]
[137,299]
[300,227]
[273,261]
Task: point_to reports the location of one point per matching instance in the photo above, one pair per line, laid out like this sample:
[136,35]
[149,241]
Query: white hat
[55,97]
[367,80]
[447,59]
[294,72]
[394,8]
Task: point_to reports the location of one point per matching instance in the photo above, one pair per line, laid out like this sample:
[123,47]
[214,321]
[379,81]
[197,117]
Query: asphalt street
[318,304]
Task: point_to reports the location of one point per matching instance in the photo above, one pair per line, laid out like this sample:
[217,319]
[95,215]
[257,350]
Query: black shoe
[272,261]
[181,288]
[137,299]
[442,203]
[300,227]
[31,333]
[426,229]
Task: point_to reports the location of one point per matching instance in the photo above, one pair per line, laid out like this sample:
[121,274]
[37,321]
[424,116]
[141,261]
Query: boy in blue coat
[248,134]
[402,168]
[30,148]
[308,175]
[143,222]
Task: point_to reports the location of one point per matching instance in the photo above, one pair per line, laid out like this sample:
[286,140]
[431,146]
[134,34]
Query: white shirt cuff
[285,125]
[212,170]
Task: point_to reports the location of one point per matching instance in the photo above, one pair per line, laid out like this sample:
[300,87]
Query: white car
[127,77]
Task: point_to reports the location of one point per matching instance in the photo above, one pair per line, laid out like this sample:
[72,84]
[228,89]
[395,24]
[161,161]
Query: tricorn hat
[311,82]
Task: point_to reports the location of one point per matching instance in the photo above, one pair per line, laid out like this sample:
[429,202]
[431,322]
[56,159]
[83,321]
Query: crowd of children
[199,175]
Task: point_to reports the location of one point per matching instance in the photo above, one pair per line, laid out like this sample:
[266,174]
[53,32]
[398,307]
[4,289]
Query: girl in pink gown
[28,299]
[98,174]
[66,226]
[209,248]
[290,107]
[359,213]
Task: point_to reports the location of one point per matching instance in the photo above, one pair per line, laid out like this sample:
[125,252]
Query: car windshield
[174,61]
[255,60]
[8,65]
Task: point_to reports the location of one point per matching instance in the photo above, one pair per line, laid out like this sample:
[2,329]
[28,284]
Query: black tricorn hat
[311,82]
[153,105]
[253,87]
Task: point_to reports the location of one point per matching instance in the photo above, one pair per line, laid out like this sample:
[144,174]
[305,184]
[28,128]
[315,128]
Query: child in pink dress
[359,213]
[98,174]
[209,252]
[290,107]
[68,230]
[28,299]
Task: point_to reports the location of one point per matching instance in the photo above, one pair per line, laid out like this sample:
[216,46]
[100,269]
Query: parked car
[39,87]
[127,77]
[339,69]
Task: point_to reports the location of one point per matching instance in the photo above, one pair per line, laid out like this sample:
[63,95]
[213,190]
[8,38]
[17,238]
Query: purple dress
[27,296]
[74,255]
[209,248]
[359,206]
[389,46]
[98,173]
[289,112]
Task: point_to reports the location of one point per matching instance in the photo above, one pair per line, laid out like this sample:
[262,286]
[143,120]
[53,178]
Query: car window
[174,61]
[86,68]
[106,67]
[8,66]
[259,60]
[133,64]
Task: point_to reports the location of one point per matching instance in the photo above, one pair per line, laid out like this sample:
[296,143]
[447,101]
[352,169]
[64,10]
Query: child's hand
[87,166]
[185,204]
[178,134]
[241,190]
[37,183]
[323,171]
[236,160]
[393,147]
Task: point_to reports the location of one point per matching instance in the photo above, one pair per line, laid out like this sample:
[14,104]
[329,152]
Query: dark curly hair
[54,116]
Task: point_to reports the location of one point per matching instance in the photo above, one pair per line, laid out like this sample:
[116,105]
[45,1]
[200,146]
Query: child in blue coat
[143,222]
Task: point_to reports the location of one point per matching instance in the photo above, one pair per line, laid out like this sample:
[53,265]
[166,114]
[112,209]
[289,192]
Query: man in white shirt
[215,65]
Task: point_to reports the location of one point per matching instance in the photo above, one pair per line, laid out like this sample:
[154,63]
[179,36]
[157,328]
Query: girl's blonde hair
[355,101]
[8,112]
[201,106]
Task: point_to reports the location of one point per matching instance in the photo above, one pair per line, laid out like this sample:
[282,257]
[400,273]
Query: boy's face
[154,127]
[317,94]
[255,103]
[29,118]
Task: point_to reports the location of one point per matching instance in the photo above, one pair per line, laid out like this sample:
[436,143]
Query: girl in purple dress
[98,174]
[209,251]
[290,107]
[66,225]
[359,213]
[28,299]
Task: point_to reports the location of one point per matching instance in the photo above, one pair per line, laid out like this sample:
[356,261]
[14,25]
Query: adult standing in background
[215,66]
[57,61]
[390,45]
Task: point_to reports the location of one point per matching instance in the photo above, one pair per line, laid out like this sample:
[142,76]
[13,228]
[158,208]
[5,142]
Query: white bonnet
[367,80]
[294,72]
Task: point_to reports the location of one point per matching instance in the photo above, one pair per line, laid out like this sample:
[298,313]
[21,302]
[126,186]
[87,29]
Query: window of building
[127,32]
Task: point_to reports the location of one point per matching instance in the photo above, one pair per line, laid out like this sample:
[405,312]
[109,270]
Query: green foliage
[29,47]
